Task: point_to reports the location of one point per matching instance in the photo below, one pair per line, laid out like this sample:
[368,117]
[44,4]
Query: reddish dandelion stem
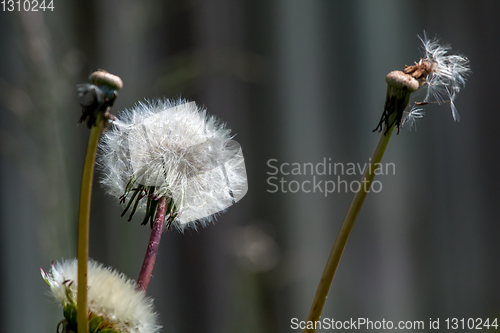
[153,245]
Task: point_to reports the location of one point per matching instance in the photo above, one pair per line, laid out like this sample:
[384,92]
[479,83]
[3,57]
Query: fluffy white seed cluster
[110,295]
[444,75]
[176,150]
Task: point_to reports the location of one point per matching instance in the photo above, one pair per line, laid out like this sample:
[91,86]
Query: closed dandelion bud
[172,149]
[114,303]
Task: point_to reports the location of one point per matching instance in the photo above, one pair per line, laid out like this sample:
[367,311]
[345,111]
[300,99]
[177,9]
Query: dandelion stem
[153,245]
[83,226]
[340,242]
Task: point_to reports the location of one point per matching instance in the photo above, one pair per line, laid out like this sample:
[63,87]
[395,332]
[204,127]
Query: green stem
[340,242]
[83,227]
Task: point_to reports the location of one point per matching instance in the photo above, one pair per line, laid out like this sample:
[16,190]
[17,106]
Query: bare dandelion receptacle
[103,78]
[98,97]
[399,88]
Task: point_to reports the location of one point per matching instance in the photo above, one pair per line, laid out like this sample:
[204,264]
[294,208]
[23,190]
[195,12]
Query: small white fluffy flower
[441,74]
[111,296]
[173,149]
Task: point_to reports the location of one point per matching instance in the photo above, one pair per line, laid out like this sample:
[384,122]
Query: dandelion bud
[172,149]
[114,303]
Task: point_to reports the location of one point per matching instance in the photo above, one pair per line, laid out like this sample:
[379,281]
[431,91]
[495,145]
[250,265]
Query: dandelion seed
[172,149]
[442,75]
[114,303]
[410,117]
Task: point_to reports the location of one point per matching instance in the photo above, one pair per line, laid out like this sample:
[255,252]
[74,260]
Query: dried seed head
[439,74]
[102,77]
[445,73]
[420,70]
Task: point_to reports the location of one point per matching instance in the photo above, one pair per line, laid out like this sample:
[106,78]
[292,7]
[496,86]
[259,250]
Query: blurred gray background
[297,81]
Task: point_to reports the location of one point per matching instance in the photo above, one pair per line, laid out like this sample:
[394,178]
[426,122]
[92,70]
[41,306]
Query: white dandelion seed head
[447,74]
[111,295]
[181,152]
